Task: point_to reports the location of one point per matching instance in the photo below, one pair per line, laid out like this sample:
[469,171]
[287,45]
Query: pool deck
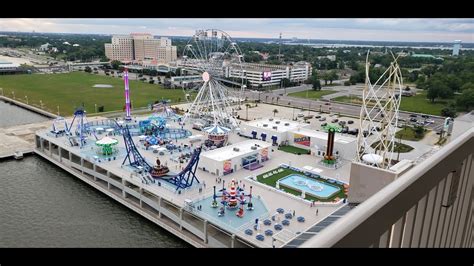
[170,207]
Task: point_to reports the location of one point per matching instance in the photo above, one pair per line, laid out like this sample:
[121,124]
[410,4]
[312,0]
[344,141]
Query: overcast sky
[431,30]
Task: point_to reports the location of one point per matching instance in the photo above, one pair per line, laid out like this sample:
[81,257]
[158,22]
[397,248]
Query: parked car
[425,116]
[342,123]
[317,117]
[350,122]
[345,130]
[334,120]
[322,119]
[300,115]
[324,124]
[429,121]
[413,115]
[413,119]
[353,131]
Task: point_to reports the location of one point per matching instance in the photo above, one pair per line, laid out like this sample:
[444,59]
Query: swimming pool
[309,186]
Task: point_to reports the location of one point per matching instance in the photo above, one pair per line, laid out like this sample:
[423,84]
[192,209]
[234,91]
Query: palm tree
[247,105]
[274,112]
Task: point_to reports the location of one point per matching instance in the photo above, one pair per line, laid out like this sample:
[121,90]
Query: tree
[325,77]
[433,93]
[316,84]
[115,64]
[419,131]
[88,69]
[466,100]
[449,111]
[275,111]
[178,71]
[151,81]
[286,82]
[332,76]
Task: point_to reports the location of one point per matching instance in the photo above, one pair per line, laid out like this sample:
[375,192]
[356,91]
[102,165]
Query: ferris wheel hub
[205,76]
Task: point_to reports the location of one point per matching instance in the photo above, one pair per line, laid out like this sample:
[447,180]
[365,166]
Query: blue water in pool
[230,220]
[308,185]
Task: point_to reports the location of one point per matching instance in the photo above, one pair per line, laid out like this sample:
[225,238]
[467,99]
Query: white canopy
[372,158]
[106,141]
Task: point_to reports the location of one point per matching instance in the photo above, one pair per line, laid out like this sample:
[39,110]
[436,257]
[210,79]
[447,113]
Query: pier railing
[431,205]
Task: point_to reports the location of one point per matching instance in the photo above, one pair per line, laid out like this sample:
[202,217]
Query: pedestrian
[293,213]
[317,212]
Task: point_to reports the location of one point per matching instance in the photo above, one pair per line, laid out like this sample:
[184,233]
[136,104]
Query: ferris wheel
[216,62]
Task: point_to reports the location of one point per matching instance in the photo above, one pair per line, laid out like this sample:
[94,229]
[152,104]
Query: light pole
[95,106]
[26,97]
[13,95]
[1,90]
[41,104]
[58,110]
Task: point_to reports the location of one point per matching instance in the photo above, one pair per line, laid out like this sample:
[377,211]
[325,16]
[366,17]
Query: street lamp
[13,95]
[26,97]
[95,106]
[58,110]
[41,104]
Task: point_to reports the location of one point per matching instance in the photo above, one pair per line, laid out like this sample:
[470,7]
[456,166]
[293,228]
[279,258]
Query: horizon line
[111,34]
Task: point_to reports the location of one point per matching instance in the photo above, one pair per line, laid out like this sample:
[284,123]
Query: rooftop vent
[253,147]
[236,149]
[287,124]
[270,119]
[265,125]
[275,127]
[277,122]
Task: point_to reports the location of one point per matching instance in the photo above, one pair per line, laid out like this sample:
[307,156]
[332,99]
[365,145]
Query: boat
[159,170]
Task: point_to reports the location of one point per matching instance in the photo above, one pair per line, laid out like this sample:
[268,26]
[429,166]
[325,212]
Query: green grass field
[271,181]
[417,103]
[293,149]
[70,90]
[407,133]
[399,147]
[311,94]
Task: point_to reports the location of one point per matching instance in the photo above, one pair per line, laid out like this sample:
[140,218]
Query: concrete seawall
[28,107]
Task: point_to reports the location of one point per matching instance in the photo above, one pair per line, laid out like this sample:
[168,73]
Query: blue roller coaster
[182,180]
[81,128]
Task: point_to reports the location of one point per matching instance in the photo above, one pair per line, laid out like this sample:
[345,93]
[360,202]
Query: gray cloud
[345,29]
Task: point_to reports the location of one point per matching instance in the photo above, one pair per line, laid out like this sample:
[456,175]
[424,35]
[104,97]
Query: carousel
[106,146]
[217,135]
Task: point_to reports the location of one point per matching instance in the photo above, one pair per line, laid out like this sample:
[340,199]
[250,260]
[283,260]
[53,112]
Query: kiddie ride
[232,198]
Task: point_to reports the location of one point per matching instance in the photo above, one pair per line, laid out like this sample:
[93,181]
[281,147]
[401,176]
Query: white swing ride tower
[379,117]
[214,56]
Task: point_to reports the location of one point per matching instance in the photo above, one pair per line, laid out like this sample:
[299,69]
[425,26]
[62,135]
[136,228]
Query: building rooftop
[338,138]
[282,125]
[228,152]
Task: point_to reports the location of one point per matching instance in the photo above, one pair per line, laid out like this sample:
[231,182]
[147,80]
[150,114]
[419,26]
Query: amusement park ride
[210,53]
[329,158]
[232,199]
[380,105]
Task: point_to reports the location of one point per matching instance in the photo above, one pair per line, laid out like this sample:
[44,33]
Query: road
[326,105]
